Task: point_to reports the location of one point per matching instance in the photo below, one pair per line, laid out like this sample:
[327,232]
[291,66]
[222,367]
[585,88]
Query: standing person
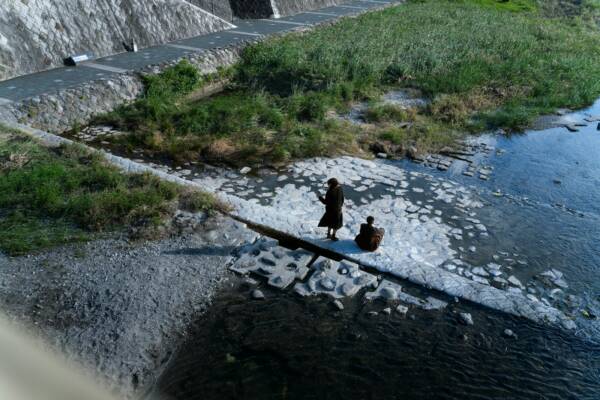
[333,200]
[369,237]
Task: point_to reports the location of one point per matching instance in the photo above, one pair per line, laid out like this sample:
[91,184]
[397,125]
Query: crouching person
[369,237]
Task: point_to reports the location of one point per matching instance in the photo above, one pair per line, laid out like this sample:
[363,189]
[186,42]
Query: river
[542,205]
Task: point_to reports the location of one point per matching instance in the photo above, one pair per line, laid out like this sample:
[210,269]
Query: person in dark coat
[333,200]
[369,237]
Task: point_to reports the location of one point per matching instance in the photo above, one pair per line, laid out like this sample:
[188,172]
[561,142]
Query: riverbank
[485,67]
[50,197]
[117,308]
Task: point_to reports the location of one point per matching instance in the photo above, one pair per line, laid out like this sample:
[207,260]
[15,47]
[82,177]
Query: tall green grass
[66,195]
[482,64]
[523,62]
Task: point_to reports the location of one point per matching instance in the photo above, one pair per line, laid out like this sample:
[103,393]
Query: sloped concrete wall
[289,7]
[220,8]
[37,34]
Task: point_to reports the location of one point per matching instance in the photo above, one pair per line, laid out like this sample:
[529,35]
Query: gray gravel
[121,309]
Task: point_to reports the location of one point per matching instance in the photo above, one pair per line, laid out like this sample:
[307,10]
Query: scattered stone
[245,170]
[509,334]
[338,304]
[465,319]
[382,155]
[387,311]
[402,310]
[515,282]
[258,295]
[372,313]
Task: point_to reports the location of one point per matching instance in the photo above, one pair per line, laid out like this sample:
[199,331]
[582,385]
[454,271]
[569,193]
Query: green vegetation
[240,124]
[51,197]
[482,64]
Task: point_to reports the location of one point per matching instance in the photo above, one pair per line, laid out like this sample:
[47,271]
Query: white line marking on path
[285,22]
[184,47]
[244,33]
[104,67]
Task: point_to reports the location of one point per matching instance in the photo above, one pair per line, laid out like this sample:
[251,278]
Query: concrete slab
[309,19]
[28,86]
[143,58]
[336,279]
[280,266]
[219,39]
[263,27]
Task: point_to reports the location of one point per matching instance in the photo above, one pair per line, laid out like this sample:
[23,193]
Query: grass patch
[482,64]
[51,197]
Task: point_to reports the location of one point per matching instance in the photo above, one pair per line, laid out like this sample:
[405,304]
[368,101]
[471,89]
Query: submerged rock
[466,319]
[401,309]
[509,334]
[338,304]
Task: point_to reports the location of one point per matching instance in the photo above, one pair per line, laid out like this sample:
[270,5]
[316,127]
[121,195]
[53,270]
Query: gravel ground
[121,309]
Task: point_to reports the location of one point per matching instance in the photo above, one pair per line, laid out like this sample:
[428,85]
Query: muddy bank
[121,309]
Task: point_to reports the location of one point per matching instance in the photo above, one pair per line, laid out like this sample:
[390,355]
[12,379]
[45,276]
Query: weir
[289,230]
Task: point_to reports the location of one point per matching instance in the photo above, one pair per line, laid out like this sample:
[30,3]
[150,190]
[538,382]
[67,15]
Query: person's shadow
[344,246]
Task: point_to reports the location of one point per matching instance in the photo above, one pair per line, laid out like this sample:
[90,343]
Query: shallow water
[286,347]
[547,215]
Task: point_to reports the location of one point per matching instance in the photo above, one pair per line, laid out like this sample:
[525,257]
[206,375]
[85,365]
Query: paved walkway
[28,86]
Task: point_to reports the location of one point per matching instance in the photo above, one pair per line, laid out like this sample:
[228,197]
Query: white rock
[480,271]
[338,304]
[515,282]
[466,318]
[245,170]
[509,333]
[257,294]
[402,309]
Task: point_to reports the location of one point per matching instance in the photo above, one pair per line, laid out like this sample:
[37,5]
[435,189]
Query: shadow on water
[288,347]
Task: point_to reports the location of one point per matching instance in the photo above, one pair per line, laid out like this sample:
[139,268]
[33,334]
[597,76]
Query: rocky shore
[121,309]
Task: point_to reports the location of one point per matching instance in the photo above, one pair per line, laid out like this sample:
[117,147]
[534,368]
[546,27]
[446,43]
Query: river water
[542,203]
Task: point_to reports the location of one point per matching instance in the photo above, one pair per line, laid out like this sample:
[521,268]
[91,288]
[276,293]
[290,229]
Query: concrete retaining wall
[38,34]
[61,111]
[289,7]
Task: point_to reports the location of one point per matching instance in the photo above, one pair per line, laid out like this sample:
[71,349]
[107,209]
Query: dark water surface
[286,347]
[292,348]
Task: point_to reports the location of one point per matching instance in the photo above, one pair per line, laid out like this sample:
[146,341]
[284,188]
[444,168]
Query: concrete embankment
[37,35]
